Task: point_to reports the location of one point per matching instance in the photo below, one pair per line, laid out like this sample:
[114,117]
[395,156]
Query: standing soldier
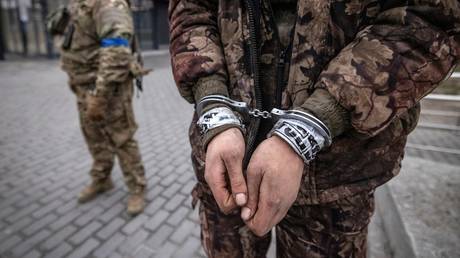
[342,79]
[96,53]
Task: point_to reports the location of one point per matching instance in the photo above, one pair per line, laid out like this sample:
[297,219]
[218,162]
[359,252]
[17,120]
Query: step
[450,103]
[421,209]
[437,117]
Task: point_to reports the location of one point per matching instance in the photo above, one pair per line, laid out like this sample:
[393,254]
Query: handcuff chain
[257,113]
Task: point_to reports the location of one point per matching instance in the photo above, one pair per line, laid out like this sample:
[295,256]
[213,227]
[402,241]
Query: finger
[261,223]
[215,177]
[254,177]
[268,207]
[234,166]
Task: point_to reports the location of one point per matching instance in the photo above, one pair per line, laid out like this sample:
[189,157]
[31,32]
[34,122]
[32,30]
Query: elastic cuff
[326,108]
[211,85]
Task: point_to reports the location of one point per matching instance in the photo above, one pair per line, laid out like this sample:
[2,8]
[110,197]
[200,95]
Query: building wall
[23,30]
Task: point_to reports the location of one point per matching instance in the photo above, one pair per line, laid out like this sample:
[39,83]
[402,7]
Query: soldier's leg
[133,171]
[100,149]
[131,165]
[337,229]
[224,235]
[121,127]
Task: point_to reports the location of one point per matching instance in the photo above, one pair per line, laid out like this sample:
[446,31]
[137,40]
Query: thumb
[254,178]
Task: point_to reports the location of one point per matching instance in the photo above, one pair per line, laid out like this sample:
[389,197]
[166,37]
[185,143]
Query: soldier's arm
[392,63]
[114,26]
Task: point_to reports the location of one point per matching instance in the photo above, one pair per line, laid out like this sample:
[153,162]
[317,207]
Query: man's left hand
[273,179]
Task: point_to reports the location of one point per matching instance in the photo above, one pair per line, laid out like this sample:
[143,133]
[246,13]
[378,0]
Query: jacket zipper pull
[282,58]
[280,78]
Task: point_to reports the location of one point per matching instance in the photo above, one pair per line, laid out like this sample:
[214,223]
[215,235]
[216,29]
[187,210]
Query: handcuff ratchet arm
[238,106]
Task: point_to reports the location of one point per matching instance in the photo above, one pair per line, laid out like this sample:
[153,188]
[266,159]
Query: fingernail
[240,199]
[245,213]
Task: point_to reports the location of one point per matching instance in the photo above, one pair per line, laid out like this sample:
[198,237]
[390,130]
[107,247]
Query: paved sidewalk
[44,164]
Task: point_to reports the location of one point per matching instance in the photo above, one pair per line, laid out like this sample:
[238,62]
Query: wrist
[218,117]
[207,138]
[216,120]
[304,133]
[286,148]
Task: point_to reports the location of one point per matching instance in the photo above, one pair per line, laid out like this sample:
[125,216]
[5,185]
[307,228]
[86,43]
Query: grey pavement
[44,164]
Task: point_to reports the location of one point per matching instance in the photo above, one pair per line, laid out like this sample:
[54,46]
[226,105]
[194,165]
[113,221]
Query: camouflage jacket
[84,59]
[377,59]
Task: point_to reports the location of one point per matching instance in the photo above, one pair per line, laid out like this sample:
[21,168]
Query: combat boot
[96,188]
[136,202]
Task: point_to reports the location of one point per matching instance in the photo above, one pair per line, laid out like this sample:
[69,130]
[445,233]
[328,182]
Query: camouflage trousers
[336,229]
[113,137]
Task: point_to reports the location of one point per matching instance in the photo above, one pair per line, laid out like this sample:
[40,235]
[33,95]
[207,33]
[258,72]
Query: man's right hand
[224,163]
[96,109]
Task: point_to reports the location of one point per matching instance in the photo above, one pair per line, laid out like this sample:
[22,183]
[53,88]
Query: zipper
[254,62]
[280,75]
[281,56]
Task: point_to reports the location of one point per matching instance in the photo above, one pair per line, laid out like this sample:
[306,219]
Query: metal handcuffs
[305,133]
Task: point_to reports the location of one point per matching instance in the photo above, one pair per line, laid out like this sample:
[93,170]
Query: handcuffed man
[303,108]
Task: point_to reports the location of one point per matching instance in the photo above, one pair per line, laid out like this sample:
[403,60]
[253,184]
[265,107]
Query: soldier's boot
[96,188]
[136,201]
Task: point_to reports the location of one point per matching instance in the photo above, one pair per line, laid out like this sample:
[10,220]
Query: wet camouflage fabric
[107,72]
[113,138]
[376,58]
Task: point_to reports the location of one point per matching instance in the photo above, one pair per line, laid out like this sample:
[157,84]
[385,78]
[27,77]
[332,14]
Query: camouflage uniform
[373,59]
[106,73]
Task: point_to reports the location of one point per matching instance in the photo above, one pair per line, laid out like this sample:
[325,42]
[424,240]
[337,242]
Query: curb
[401,243]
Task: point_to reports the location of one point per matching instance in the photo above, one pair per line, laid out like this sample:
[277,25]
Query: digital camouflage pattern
[106,73]
[377,59]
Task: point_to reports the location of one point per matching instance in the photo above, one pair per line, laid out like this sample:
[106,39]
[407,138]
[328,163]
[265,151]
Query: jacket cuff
[325,107]
[210,85]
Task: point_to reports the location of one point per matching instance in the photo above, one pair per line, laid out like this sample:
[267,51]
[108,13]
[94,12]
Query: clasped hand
[272,178]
